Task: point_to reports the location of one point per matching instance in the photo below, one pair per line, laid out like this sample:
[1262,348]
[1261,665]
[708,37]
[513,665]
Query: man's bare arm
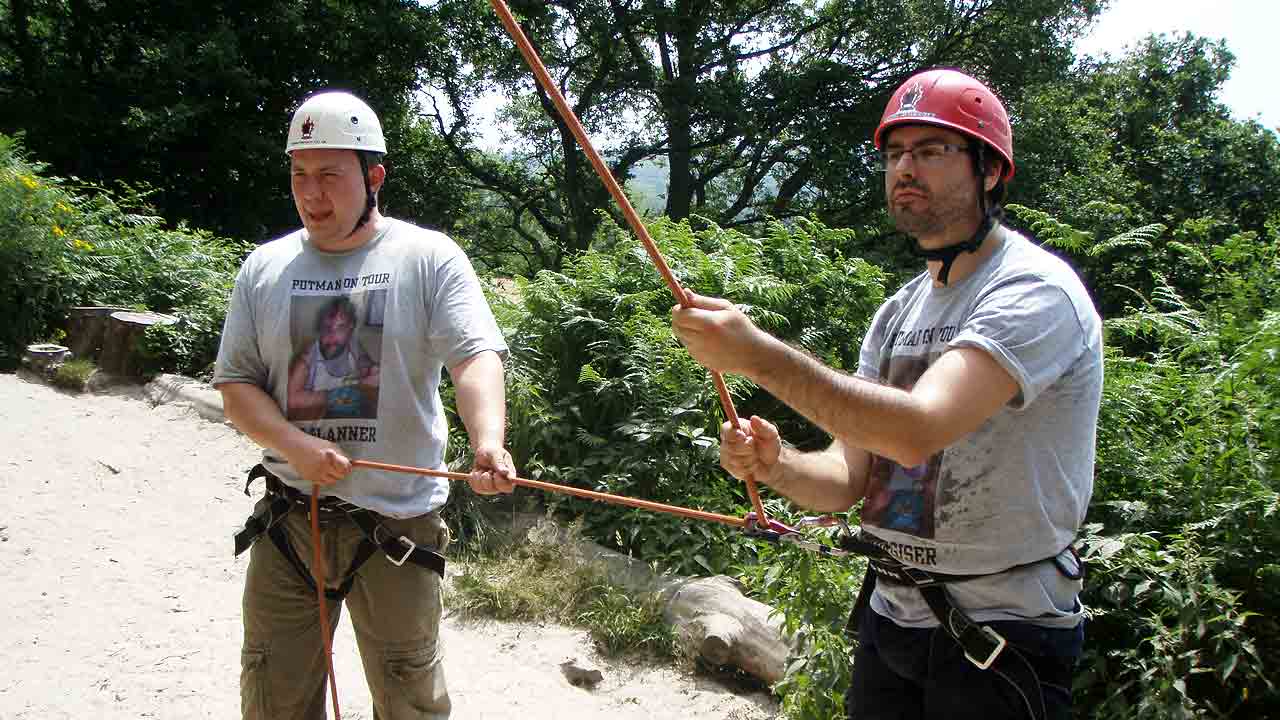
[961,390]
[482,404]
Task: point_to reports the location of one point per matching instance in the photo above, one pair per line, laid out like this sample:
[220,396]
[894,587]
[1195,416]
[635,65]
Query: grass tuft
[74,374]
[548,579]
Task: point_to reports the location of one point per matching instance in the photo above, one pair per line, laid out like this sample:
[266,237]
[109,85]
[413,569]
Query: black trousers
[922,673]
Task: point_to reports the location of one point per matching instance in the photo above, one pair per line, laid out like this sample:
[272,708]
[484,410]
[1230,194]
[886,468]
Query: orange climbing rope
[567,114]
[317,572]
[568,490]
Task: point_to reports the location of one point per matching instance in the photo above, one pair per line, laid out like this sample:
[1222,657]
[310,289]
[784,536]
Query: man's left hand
[492,472]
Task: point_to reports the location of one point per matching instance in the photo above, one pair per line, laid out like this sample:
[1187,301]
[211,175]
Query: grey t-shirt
[351,346]
[1015,490]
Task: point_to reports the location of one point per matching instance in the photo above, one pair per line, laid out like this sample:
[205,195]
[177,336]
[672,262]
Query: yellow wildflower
[29,181]
[58,232]
[82,245]
[63,207]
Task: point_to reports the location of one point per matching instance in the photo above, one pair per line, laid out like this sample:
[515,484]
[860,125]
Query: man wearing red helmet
[968,431]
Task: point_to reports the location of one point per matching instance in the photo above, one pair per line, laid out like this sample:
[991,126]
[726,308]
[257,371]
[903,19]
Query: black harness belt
[982,645]
[283,499]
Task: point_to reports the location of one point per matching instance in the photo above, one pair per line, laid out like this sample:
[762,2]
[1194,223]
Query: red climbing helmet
[951,99]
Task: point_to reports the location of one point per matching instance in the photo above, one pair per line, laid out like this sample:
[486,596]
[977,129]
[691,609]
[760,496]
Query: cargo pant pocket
[414,685]
[255,686]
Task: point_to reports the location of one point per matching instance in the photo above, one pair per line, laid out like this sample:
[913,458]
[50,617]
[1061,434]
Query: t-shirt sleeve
[239,358]
[461,322]
[1031,328]
[869,356]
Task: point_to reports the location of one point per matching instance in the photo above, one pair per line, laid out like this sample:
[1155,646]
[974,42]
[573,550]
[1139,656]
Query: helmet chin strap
[949,253]
[371,200]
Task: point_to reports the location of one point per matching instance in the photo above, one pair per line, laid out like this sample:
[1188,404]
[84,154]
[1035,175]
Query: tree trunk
[711,616]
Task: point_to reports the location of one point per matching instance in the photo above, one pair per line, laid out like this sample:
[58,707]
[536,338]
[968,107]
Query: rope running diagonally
[567,114]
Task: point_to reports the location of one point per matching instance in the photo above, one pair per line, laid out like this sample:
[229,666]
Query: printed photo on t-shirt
[335,369]
[902,498]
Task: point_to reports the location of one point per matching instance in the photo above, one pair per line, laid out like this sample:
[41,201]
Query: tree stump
[119,355]
[87,328]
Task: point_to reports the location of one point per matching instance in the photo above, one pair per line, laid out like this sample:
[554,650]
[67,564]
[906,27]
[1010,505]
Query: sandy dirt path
[124,600]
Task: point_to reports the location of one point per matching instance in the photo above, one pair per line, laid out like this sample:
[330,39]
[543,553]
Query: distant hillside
[648,187]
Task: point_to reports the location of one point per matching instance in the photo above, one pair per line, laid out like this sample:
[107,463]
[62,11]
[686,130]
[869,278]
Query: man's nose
[906,165]
[306,187]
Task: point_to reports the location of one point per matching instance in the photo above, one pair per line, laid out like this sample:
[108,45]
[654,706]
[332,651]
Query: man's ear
[994,169]
[377,175]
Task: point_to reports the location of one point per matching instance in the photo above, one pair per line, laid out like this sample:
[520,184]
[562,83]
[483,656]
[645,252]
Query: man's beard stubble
[942,210]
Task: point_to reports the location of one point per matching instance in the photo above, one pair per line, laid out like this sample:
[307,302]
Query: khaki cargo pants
[395,612]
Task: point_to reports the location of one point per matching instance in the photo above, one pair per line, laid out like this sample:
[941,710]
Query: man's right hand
[751,450]
[320,462]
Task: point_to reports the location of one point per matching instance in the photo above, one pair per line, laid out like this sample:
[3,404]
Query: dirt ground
[124,599]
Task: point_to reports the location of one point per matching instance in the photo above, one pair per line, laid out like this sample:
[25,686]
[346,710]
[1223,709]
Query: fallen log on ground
[710,615]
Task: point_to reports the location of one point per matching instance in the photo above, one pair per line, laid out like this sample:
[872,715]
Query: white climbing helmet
[335,120]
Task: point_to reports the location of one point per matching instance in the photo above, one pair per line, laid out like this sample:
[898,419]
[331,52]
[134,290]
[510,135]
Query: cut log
[714,620]
[87,328]
[710,615]
[120,344]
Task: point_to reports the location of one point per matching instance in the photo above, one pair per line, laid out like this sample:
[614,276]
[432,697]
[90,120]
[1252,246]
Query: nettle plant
[603,397]
[1185,518]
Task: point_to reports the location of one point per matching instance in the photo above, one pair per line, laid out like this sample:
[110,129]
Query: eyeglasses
[929,155]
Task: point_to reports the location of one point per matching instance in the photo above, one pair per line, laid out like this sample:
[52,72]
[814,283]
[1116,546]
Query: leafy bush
[601,395]
[814,595]
[1186,512]
[67,244]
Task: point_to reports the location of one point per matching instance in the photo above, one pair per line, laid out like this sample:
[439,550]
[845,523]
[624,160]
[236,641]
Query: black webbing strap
[376,536]
[262,522]
[398,550]
[982,646]
[281,541]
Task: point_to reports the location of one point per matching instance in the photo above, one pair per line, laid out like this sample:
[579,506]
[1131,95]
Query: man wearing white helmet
[967,433]
[332,351]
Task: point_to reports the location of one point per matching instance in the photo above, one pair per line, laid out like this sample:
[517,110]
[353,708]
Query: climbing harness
[983,646]
[283,499]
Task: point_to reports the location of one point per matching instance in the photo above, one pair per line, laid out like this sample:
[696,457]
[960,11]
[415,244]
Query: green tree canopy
[194,100]
[1129,142]
[756,108]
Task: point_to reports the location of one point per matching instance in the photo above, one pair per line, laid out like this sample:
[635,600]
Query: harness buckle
[1000,644]
[921,578]
[403,541]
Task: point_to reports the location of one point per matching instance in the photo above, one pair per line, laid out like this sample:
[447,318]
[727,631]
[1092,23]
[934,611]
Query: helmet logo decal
[910,98]
[907,103]
[307,127]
